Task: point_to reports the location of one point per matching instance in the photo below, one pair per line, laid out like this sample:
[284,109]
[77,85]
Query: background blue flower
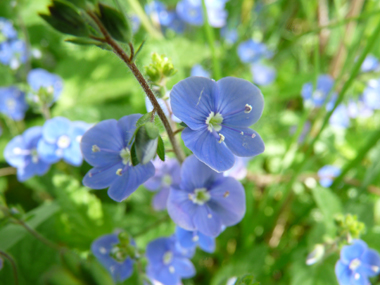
[105,147]
[167,173]
[13,103]
[61,139]
[158,12]
[318,96]
[192,239]
[102,248]
[357,262]
[21,152]
[371,63]
[371,95]
[340,117]
[198,70]
[262,74]
[205,200]
[7,29]
[166,264]
[327,173]
[40,78]
[218,116]
[252,51]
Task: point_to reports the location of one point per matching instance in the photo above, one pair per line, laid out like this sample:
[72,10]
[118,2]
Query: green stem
[374,138]
[216,70]
[13,264]
[144,19]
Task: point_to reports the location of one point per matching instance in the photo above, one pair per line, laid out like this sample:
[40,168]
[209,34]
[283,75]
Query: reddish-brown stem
[143,83]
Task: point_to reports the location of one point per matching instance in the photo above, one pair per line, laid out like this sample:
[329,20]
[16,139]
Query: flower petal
[181,209]
[183,267]
[353,251]
[208,150]
[248,144]
[161,199]
[370,263]
[343,273]
[72,155]
[101,177]
[228,201]
[234,94]
[207,223]
[206,243]
[193,99]
[185,238]
[156,249]
[12,152]
[48,152]
[196,174]
[127,124]
[129,181]
[105,135]
[54,128]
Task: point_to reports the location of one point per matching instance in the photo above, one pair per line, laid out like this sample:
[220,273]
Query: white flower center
[354,264]
[167,179]
[213,122]
[34,154]
[168,256]
[317,94]
[11,104]
[200,196]
[125,154]
[63,141]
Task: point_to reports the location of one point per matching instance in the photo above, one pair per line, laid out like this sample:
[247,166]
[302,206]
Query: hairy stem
[13,264]
[143,83]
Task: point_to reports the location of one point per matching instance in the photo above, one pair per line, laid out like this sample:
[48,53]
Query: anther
[242,133]
[95,148]
[248,108]
[119,171]
[171,269]
[253,136]
[221,138]
[209,216]
[226,194]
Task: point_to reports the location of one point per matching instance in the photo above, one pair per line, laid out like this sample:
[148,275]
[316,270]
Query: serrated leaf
[161,149]
[115,23]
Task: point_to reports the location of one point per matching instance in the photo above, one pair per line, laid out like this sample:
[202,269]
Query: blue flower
[218,116]
[105,146]
[135,21]
[318,96]
[230,35]
[7,29]
[21,152]
[158,12]
[166,263]
[370,63]
[192,239]
[13,53]
[198,70]
[262,74]
[167,173]
[327,173]
[13,103]
[191,12]
[102,249]
[251,51]
[371,95]
[205,201]
[61,139]
[177,25]
[358,109]
[356,264]
[239,170]
[41,79]
[340,117]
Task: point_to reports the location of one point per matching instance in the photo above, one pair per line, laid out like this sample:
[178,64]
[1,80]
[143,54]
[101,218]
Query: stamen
[102,250]
[119,171]
[238,131]
[195,238]
[95,148]
[171,269]
[248,108]
[221,138]
[209,216]
[242,133]
[253,136]
[226,194]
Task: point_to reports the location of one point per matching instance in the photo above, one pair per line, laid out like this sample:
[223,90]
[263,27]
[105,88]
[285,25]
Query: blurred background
[284,47]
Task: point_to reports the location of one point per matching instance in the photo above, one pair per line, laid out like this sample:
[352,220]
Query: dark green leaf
[151,130]
[161,149]
[183,124]
[135,160]
[115,23]
[146,145]
[82,41]
[246,280]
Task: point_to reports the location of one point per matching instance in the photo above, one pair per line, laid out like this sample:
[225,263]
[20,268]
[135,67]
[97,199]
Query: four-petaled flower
[218,116]
[318,96]
[190,240]
[60,139]
[21,152]
[357,262]
[102,248]
[105,146]
[13,103]
[166,263]
[205,200]
[167,174]
[252,51]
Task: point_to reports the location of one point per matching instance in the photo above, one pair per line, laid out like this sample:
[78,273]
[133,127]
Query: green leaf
[139,49]
[161,149]
[183,124]
[12,234]
[151,130]
[135,160]
[65,18]
[144,119]
[146,144]
[247,279]
[82,41]
[115,23]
